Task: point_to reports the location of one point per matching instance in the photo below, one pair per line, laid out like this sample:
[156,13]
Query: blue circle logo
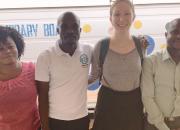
[93,86]
[151,45]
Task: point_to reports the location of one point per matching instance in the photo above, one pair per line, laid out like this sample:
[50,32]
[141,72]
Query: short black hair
[6,32]
[67,13]
[170,24]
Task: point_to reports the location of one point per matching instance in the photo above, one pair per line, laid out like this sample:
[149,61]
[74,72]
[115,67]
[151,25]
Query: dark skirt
[118,110]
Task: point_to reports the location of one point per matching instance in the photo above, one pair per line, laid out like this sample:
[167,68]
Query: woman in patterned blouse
[18,96]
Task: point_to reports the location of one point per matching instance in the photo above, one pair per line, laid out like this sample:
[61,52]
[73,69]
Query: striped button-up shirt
[161,88]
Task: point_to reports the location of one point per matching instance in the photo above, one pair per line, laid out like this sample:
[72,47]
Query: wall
[38,26]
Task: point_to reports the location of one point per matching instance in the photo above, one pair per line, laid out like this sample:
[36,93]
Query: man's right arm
[43,98]
[42,77]
[148,95]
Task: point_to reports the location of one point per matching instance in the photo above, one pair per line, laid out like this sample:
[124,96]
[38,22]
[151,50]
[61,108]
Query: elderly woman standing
[18,108]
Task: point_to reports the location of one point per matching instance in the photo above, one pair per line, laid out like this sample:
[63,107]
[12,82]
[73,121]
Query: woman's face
[8,52]
[122,17]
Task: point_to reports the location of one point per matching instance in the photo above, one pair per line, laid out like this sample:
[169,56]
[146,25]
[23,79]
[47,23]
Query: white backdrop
[57,3]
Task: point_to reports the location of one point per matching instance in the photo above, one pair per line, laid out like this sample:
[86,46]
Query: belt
[172,122]
[170,118]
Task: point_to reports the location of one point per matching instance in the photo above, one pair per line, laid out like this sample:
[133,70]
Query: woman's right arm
[95,69]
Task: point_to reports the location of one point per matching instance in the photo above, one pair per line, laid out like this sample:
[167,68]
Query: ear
[80,29]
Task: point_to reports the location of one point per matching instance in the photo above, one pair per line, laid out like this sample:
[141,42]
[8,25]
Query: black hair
[6,32]
[169,25]
[67,13]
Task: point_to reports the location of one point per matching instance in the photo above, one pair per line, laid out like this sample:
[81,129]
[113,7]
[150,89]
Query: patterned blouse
[18,101]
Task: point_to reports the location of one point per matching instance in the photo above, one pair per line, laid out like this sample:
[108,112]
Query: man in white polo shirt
[62,79]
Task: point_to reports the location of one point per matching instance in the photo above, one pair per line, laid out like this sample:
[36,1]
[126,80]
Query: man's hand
[176,129]
[144,40]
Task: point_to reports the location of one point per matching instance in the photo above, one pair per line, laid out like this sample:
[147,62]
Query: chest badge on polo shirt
[84,60]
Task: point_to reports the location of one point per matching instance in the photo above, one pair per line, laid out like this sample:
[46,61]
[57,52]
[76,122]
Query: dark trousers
[118,110]
[78,124]
[171,124]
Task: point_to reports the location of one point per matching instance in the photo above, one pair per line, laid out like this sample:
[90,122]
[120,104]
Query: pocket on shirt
[162,81]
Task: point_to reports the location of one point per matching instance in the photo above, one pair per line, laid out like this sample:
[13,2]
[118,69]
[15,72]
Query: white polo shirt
[68,78]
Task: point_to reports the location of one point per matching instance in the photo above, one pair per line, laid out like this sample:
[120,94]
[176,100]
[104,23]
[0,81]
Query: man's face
[69,29]
[173,34]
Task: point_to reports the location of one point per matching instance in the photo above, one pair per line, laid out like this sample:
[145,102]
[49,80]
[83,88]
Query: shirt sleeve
[42,67]
[94,69]
[155,116]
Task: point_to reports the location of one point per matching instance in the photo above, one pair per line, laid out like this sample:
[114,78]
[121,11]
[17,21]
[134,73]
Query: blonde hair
[115,2]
